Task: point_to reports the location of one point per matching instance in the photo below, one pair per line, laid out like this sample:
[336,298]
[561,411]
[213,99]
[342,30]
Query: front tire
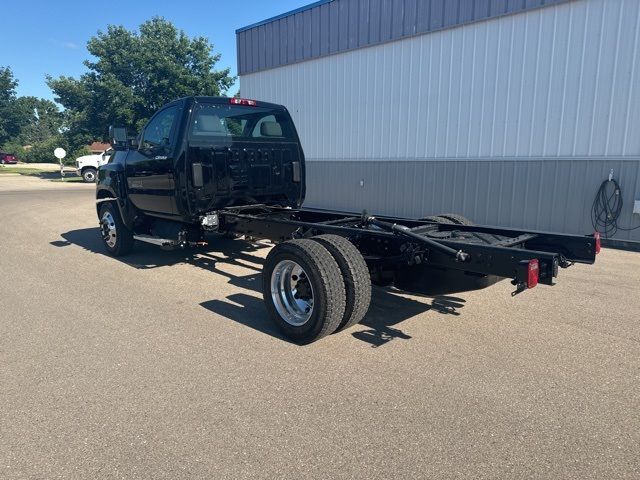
[116,237]
[89,175]
[303,290]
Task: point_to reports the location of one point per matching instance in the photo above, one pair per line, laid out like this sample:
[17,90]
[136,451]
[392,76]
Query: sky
[41,37]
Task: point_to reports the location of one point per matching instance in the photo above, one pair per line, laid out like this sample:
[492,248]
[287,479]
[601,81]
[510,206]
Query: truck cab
[199,154]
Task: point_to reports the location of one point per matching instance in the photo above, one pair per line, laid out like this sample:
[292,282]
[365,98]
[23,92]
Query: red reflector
[596,237]
[242,101]
[532,273]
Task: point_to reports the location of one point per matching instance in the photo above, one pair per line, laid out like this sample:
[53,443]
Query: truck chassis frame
[317,279]
[391,244]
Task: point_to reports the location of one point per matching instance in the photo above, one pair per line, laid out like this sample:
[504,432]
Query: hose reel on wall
[607,207]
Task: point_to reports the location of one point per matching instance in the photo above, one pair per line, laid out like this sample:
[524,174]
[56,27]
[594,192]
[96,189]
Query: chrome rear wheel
[303,290]
[292,293]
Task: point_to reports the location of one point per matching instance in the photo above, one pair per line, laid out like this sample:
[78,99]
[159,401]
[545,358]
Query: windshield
[238,122]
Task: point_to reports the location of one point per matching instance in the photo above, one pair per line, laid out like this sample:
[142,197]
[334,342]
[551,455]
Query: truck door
[149,169]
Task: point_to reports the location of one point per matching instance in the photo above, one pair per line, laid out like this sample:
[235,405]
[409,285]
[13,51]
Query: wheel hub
[292,293]
[303,288]
[108,228]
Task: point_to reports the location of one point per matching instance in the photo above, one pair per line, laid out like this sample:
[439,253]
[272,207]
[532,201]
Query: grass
[23,171]
[46,174]
[33,171]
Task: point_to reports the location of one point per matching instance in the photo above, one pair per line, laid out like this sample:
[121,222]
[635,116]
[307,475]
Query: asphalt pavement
[166,365]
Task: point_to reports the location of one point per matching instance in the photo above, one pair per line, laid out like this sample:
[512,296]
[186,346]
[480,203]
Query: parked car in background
[7,158]
[87,165]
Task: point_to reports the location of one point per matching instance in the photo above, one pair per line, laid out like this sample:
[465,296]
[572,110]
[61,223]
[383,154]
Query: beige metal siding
[547,100]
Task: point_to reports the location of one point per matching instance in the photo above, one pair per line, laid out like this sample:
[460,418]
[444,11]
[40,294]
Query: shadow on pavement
[246,310]
[52,175]
[145,256]
[388,308]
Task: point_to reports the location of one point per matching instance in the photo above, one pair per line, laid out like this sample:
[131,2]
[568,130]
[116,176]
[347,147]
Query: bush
[42,152]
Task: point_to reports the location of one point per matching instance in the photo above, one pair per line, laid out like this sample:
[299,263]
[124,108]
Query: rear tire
[303,290]
[437,219]
[355,275]
[89,175]
[116,237]
[456,219]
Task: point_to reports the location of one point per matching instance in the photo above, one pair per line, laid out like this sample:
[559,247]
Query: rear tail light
[596,237]
[243,101]
[532,273]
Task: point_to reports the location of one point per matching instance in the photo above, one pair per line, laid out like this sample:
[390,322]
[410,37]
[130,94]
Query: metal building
[508,112]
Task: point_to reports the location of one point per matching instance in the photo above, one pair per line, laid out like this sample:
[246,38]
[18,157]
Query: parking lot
[165,365]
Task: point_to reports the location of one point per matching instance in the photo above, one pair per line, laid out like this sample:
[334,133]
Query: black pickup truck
[205,165]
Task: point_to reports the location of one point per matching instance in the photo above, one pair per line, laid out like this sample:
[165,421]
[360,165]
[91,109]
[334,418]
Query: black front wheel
[116,237]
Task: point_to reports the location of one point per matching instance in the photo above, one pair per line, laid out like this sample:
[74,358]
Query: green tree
[133,74]
[8,85]
[31,121]
[37,119]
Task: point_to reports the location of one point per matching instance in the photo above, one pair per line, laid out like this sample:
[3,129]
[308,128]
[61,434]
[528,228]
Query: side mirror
[118,135]
[133,142]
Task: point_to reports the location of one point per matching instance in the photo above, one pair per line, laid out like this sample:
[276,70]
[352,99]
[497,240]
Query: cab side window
[158,132]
